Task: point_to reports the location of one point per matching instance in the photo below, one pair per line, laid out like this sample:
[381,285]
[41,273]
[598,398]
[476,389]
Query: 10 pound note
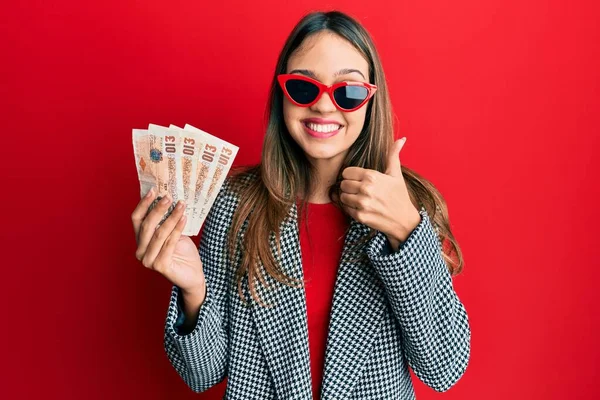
[188,164]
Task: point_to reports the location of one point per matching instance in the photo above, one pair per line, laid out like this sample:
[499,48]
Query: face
[321,57]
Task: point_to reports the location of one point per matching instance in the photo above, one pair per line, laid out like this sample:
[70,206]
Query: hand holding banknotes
[186,166]
[165,249]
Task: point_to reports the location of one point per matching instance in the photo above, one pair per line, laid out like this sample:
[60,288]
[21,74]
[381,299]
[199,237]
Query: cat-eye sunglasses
[346,96]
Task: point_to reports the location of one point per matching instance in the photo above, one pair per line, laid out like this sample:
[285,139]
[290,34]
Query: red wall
[498,99]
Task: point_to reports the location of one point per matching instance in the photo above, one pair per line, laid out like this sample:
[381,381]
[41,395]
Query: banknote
[222,160]
[183,163]
[207,169]
[141,150]
[164,143]
[190,146]
[163,156]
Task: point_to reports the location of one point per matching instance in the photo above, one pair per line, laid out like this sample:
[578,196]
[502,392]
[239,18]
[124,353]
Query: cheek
[291,114]
[355,121]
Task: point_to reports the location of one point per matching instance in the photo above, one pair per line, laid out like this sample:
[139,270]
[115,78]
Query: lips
[320,135]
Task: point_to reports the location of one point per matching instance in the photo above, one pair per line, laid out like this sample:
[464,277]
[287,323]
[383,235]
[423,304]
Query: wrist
[394,243]
[403,231]
[194,296]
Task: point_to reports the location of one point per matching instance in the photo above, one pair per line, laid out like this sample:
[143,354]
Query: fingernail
[149,194]
[164,200]
[180,204]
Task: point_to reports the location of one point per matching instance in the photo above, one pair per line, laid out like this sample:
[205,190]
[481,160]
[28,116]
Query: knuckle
[365,218]
[367,188]
[144,225]
[161,233]
[162,203]
[159,266]
[147,262]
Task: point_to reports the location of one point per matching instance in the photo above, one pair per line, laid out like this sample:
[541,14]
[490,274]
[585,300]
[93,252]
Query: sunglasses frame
[283,78]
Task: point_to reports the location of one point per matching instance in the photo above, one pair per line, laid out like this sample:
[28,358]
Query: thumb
[393,165]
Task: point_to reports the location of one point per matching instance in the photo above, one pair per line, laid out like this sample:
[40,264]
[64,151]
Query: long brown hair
[284,174]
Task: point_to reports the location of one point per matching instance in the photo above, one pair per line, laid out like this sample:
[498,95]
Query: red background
[498,99]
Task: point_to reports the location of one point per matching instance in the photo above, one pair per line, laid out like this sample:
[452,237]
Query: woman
[331,206]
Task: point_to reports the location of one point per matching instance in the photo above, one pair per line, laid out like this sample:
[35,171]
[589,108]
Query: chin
[323,154]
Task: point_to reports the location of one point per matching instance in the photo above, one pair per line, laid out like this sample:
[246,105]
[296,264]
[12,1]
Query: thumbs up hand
[381,201]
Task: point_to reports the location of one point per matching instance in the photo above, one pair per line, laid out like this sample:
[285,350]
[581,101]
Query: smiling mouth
[322,131]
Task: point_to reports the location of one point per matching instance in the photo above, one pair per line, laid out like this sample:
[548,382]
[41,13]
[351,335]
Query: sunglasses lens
[301,91]
[349,97]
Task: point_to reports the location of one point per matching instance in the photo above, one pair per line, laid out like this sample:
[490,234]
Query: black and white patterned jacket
[397,310]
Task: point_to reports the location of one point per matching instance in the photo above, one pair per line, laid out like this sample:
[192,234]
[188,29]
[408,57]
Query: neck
[326,172]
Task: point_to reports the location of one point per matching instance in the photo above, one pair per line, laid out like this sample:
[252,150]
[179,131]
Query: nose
[324,104]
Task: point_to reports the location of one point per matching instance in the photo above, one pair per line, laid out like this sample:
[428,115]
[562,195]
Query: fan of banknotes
[187,163]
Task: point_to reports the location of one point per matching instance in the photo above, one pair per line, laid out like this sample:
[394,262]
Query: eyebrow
[344,71]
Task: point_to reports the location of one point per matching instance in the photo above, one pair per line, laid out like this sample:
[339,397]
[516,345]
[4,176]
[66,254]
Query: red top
[321,247]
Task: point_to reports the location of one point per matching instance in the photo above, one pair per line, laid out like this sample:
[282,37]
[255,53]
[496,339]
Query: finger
[354,173]
[150,223]
[350,200]
[394,167]
[161,234]
[351,211]
[140,211]
[165,257]
[349,186]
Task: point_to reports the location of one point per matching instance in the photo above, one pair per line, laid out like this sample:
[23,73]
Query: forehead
[325,53]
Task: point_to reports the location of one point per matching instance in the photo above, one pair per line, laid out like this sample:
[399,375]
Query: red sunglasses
[304,92]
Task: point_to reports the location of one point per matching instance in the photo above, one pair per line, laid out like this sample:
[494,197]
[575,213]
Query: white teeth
[323,128]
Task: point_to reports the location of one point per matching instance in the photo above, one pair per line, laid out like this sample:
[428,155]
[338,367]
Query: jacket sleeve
[180,317]
[200,356]
[434,322]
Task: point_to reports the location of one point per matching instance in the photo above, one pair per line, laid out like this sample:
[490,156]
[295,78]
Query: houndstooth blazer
[397,310]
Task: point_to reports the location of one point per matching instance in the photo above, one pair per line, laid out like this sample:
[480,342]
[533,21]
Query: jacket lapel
[358,305]
[357,310]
